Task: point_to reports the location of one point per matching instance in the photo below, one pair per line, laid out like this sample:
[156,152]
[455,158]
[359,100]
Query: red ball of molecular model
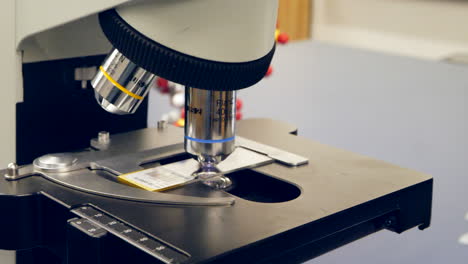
[281,38]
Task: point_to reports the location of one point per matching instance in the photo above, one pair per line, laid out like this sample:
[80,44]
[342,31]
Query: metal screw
[103,137]
[162,124]
[12,170]
[389,221]
[85,74]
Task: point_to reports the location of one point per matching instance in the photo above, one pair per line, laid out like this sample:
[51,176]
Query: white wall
[7,257]
[8,93]
[9,76]
[432,29]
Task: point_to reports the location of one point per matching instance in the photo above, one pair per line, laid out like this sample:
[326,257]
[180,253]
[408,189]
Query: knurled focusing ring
[179,67]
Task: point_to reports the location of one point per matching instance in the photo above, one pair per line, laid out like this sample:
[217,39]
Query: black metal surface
[258,187]
[83,246]
[100,247]
[96,224]
[57,115]
[344,196]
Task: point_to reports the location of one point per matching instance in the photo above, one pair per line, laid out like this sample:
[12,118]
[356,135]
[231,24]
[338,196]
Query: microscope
[91,183]
[146,44]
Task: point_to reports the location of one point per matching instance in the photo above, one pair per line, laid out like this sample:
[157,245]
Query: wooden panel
[294,17]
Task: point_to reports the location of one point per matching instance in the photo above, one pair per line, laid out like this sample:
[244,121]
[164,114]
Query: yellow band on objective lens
[120,87]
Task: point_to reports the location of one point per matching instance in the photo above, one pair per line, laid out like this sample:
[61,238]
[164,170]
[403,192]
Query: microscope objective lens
[210,175]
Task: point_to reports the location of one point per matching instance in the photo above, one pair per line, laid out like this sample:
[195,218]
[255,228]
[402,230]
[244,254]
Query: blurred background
[384,78]
[428,29]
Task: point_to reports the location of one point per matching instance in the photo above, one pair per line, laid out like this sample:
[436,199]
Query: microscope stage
[274,213]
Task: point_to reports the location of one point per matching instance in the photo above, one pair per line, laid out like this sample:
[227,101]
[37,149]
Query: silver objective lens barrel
[120,85]
[209,124]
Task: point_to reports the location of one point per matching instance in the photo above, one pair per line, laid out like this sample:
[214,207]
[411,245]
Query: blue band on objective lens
[210,140]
